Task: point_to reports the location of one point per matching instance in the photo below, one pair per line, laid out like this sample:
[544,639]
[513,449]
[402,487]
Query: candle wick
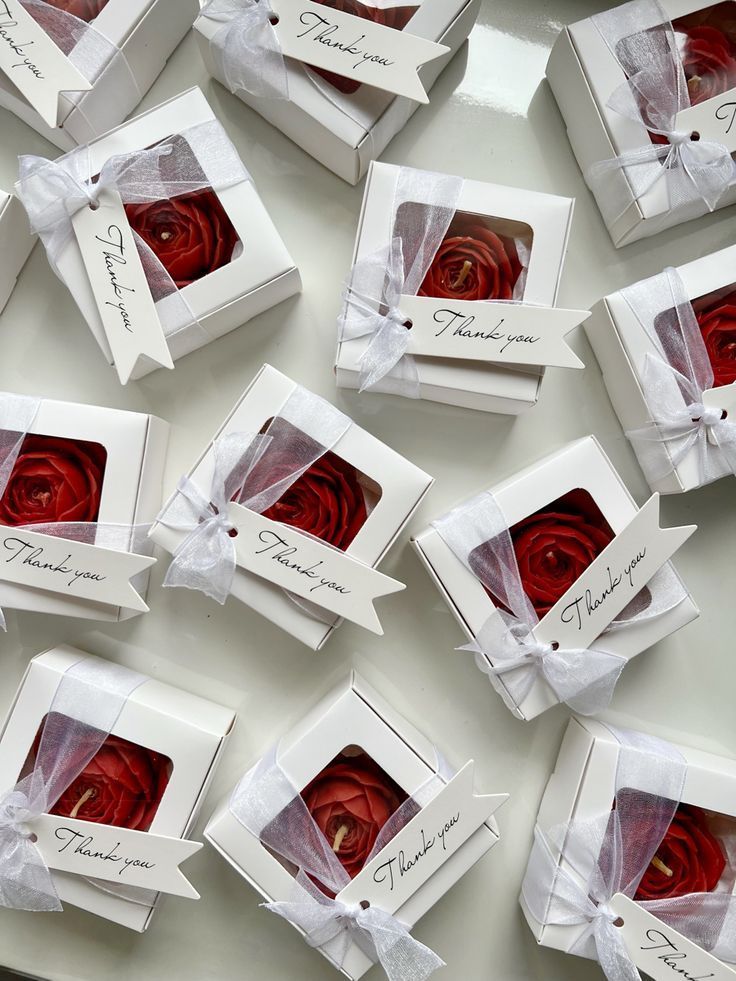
[661,867]
[82,800]
[463,275]
[339,837]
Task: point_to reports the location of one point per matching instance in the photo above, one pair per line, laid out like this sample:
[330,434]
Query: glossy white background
[492,117]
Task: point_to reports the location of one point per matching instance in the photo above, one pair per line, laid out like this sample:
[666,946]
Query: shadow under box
[122,785]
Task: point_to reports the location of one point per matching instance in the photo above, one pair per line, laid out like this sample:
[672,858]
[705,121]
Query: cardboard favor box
[190,731]
[579,465]
[353,716]
[621,345]
[584,75]
[260,273]
[130,448]
[346,131]
[15,243]
[541,221]
[393,488]
[582,789]
[146,33]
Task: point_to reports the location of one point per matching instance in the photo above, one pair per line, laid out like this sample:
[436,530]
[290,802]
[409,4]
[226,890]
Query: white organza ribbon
[267,804]
[673,383]
[505,647]
[641,38]
[376,282]
[196,159]
[254,469]
[611,853]
[91,53]
[246,47]
[17,413]
[86,706]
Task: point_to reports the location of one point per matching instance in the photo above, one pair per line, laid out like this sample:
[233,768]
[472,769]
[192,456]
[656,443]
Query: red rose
[395,17]
[327,501]
[350,801]
[709,61]
[473,263]
[554,547]
[54,479]
[191,235]
[689,859]
[718,327]
[122,785]
[85,10]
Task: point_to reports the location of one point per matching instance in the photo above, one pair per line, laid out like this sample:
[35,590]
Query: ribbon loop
[247,49]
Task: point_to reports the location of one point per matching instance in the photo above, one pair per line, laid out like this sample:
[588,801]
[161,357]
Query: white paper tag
[661,952]
[122,294]
[308,567]
[501,333]
[354,47]
[37,67]
[612,580]
[129,858]
[69,568]
[714,119]
[424,845]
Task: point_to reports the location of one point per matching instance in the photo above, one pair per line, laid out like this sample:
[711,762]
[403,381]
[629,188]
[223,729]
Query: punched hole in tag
[619,922]
[273,20]
[695,136]
[408,324]
[233,533]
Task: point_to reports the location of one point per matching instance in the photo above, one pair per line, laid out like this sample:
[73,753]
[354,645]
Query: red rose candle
[191,235]
[122,785]
[554,546]
[350,801]
[473,262]
[54,479]
[690,859]
[717,322]
[327,501]
[707,50]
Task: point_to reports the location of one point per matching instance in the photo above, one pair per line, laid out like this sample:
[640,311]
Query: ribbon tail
[387,347]
[401,956]
[583,679]
[204,561]
[613,956]
[25,880]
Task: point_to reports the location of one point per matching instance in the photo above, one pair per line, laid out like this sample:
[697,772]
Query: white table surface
[492,117]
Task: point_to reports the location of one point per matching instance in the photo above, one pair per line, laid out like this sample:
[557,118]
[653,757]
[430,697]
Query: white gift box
[401,486]
[353,715]
[582,789]
[15,243]
[135,446]
[584,74]
[190,731]
[260,274]
[471,384]
[345,132]
[580,465]
[146,32]
[621,346]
